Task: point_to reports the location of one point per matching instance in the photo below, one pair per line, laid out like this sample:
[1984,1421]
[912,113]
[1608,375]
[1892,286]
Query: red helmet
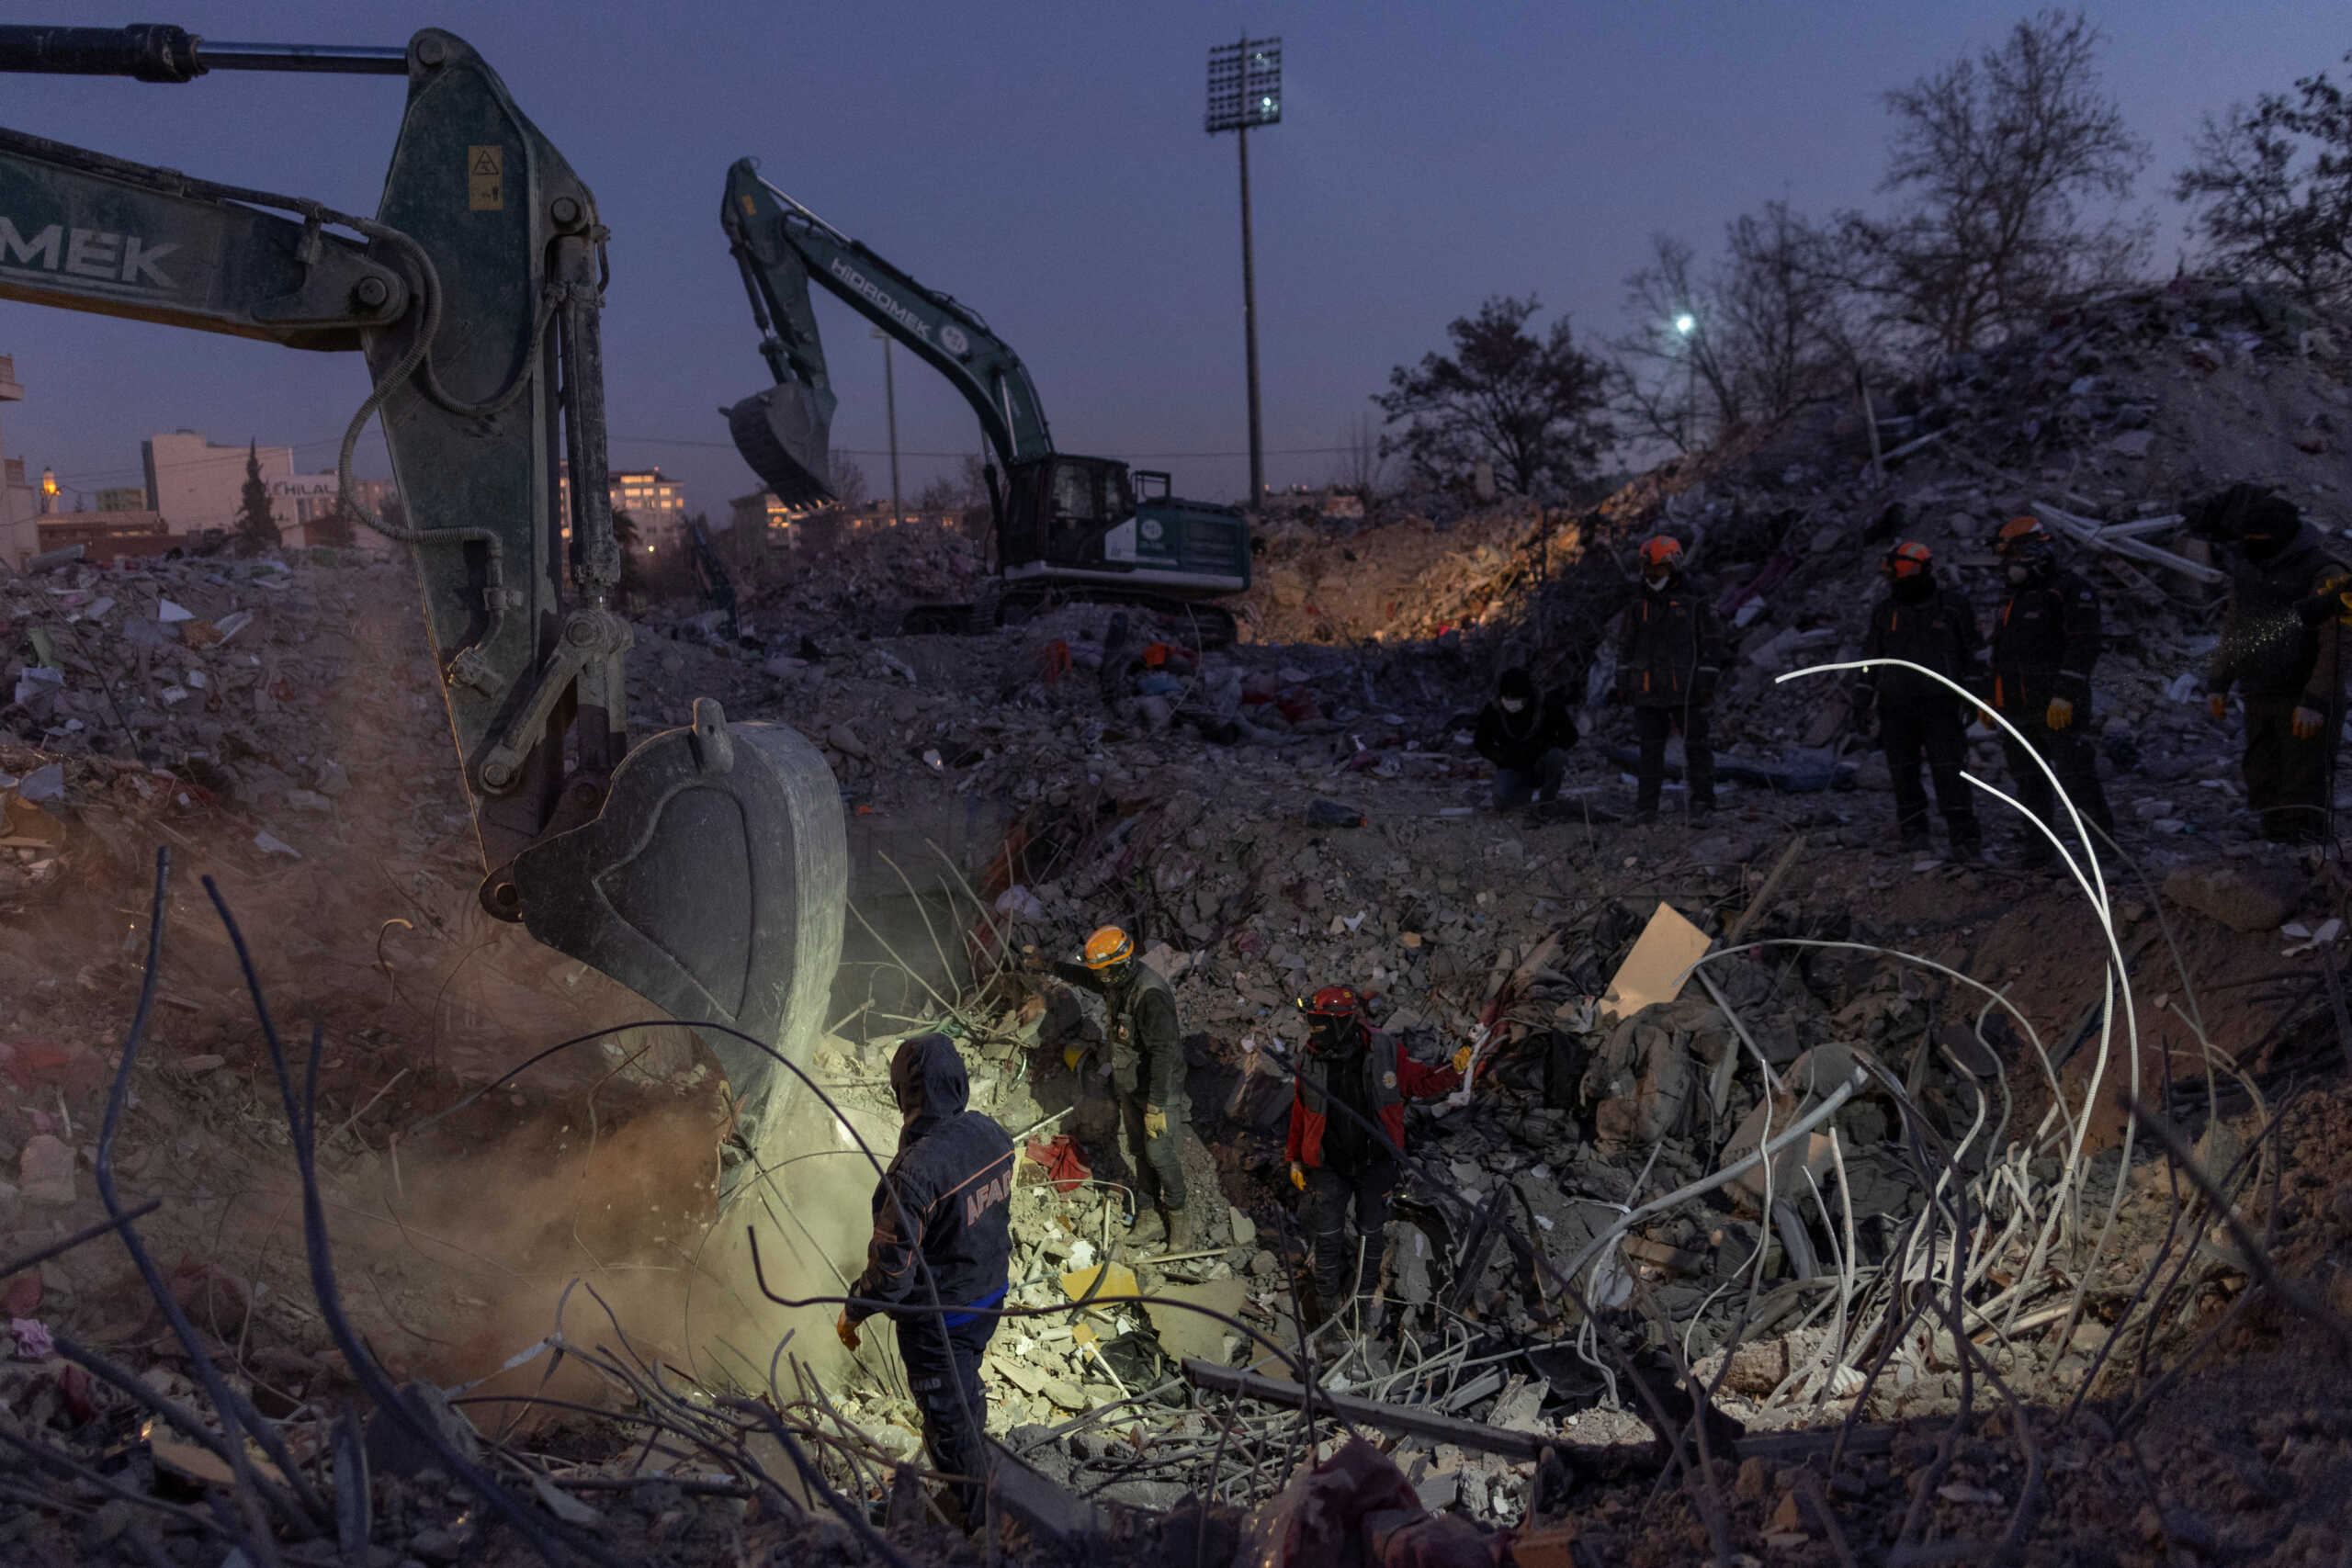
[1334,1001]
[1908,559]
[1661,549]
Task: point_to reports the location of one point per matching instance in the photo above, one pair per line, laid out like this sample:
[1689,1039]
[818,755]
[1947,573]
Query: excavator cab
[704,867]
[1064,509]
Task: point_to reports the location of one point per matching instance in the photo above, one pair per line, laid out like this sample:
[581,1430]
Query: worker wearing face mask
[2045,640]
[2280,648]
[1525,732]
[1669,656]
[1921,719]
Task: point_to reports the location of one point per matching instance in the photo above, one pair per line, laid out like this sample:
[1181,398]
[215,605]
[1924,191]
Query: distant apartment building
[19,503]
[654,502]
[196,484]
[762,518]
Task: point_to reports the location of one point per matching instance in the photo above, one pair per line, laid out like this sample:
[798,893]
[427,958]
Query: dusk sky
[1046,165]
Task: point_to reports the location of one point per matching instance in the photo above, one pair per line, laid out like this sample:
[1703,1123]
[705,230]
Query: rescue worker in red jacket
[1347,1131]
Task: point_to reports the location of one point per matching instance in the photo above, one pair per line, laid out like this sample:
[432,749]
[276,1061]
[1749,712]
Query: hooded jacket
[1391,1078]
[1671,649]
[1147,1049]
[946,1195]
[1518,740]
[2266,647]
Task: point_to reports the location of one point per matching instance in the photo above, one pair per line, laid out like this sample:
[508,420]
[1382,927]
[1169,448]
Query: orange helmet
[1108,948]
[2021,533]
[1661,549]
[1910,559]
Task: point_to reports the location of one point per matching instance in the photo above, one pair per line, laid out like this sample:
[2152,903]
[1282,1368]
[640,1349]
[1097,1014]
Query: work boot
[1915,842]
[1967,849]
[1181,1234]
[2034,855]
[1147,1229]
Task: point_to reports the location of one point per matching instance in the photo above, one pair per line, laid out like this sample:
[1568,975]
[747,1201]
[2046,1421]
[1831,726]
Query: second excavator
[1067,527]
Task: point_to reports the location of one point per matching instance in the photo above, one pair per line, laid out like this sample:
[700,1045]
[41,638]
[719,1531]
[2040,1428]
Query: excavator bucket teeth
[713,883]
[782,436]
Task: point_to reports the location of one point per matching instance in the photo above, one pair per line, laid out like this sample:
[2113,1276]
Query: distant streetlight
[1686,326]
[891,402]
[1246,89]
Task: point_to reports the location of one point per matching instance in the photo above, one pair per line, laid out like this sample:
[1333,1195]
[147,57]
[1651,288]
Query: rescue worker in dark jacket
[1918,718]
[2044,642]
[942,1238]
[1147,1076]
[1525,732]
[2287,664]
[1668,657]
[1347,1130]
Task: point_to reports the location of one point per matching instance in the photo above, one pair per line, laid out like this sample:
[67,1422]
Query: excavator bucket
[782,436]
[712,883]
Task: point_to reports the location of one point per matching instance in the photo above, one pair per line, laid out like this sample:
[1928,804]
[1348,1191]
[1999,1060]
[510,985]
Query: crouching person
[941,1224]
[1347,1133]
[1525,731]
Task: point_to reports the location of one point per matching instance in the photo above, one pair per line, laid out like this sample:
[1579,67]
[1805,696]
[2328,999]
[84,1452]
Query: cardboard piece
[1658,967]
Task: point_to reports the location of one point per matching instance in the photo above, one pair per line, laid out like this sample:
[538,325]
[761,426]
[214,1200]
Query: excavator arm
[780,245]
[705,868]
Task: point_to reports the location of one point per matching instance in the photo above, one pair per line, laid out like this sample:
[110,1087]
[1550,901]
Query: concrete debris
[2243,897]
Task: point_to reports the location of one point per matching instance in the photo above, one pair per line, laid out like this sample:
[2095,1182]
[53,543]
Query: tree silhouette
[256,522]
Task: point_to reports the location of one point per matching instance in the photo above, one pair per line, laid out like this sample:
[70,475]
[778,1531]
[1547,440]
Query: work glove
[1462,1059]
[1298,1175]
[1032,961]
[845,1331]
[1071,1056]
[1155,1122]
[1985,716]
[2058,714]
[2218,704]
[2307,722]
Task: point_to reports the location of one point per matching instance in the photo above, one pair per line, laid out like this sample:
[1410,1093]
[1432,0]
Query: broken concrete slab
[2243,897]
[1185,1333]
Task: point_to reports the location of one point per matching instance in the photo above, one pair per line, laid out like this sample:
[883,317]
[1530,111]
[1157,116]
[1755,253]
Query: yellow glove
[845,1330]
[1070,1057]
[2218,704]
[1985,715]
[1155,1122]
[2059,714]
[1298,1175]
[2307,722]
[1461,1060]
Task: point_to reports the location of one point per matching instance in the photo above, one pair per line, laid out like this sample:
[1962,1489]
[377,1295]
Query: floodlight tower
[1246,89]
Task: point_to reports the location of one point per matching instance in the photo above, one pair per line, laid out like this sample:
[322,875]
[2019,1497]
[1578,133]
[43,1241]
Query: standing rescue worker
[1337,1158]
[1669,659]
[1525,732]
[2289,668]
[1918,718]
[1147,1076]
[2044,642]
[942,1238]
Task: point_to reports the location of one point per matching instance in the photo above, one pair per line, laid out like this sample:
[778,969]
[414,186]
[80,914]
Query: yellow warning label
[485,179]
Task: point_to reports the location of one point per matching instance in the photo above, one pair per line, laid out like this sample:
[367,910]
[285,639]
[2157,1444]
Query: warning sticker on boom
[485,179]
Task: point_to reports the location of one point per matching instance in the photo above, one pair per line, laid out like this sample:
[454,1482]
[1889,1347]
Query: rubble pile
[1864,1164]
